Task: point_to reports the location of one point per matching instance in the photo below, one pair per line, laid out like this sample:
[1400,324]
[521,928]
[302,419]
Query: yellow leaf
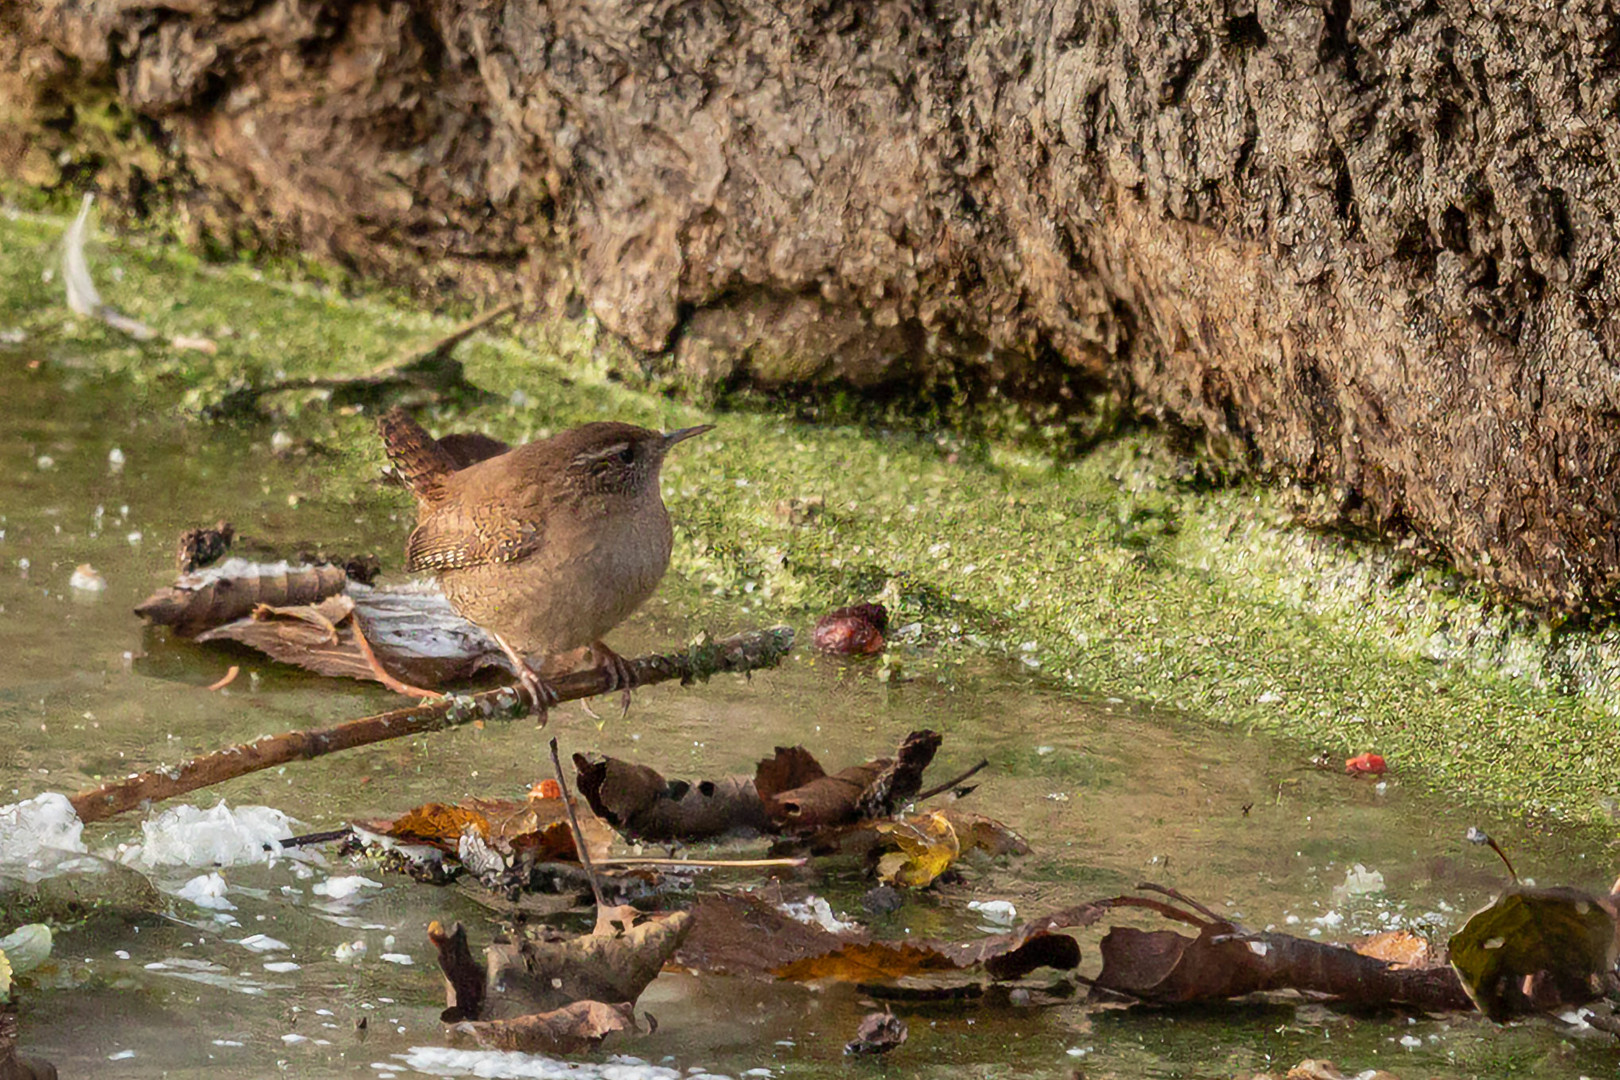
[927,844]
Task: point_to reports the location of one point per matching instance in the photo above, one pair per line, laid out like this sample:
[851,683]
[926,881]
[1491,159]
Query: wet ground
[1106,792]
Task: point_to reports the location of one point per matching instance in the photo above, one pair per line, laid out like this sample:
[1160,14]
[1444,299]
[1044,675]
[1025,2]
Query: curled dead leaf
[643,805]
[217,595]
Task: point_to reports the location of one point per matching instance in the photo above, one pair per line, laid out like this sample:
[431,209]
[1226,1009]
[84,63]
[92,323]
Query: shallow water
[1107,794]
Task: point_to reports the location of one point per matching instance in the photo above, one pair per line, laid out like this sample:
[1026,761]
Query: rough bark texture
[1373,241]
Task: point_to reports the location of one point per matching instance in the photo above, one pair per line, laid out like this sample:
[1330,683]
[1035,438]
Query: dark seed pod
[856,630]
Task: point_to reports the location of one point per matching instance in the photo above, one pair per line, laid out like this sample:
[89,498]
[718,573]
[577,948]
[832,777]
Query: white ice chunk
[207,891]
[45,821]
[817,912]
[999,912]
[342,888]
[187,836]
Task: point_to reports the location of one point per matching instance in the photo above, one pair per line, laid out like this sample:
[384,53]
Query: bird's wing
[453,539]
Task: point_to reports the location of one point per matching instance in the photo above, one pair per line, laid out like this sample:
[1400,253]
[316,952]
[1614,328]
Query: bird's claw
[619,672]
[541,695]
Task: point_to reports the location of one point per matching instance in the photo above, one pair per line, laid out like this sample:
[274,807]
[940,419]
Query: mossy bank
[1118,572]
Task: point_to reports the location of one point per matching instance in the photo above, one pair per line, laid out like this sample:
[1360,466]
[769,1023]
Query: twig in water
[947,785]
[579,834]
[705,864]
[742,653]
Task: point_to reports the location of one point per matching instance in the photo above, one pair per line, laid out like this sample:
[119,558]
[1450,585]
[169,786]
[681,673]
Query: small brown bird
[548,546]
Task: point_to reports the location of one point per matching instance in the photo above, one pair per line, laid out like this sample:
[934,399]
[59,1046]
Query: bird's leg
[541,694]
[621,676]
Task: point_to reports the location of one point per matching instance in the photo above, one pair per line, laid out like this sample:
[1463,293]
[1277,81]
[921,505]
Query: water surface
[1106,792]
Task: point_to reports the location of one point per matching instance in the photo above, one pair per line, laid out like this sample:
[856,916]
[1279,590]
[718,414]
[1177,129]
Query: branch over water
[742,653]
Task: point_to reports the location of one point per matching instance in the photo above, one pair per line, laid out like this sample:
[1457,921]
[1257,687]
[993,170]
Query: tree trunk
[1374,242]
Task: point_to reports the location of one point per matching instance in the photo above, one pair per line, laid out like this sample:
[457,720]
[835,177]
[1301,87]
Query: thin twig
[1176,894]
[742,653]
[579,834]
[324,837]
[947,785]
[704,864]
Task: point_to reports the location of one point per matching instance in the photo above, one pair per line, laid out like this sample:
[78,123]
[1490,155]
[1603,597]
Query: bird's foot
[541,695]
[620,673]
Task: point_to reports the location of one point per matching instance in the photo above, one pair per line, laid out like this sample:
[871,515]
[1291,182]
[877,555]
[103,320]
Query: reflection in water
[271,964]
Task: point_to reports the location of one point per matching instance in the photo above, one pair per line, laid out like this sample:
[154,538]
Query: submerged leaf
[745,935]
[569,1030]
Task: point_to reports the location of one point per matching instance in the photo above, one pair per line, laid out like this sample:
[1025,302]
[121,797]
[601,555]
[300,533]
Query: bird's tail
[421,462]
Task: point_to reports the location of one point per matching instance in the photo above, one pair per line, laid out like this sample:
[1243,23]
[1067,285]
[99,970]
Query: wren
[547,547]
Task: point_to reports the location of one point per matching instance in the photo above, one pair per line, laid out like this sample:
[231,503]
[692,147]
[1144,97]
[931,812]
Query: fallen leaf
[537,826]
[746,935]
[1535,950]
[643,805]
[927,846]
[1225,961]
[789,792]
[818,801]
[1398,948]
[878,1033]
[215,596]
[537,976]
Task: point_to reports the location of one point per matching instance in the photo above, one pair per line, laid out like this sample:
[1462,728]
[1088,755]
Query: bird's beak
[673,437]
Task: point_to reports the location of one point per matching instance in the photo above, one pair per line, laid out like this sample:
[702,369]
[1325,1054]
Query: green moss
[1114,572]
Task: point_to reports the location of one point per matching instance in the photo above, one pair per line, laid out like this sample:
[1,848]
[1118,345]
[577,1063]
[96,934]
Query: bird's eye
[628,454]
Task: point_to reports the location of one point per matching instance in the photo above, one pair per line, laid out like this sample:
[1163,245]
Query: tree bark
[1372,242]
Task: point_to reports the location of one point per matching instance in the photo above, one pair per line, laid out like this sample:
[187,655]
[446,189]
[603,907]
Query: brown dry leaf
[538,825]
[1397,948]
[1226,961]
[231,590]
[413,632]
[1536,950]
[643,805]
[568,1030]
[745,935]
[536,976]
[533,976]
[801,798]
[789,791]
[438,824]
[977,832]
[323,618]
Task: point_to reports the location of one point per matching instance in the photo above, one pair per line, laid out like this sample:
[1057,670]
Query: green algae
[1118,572]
